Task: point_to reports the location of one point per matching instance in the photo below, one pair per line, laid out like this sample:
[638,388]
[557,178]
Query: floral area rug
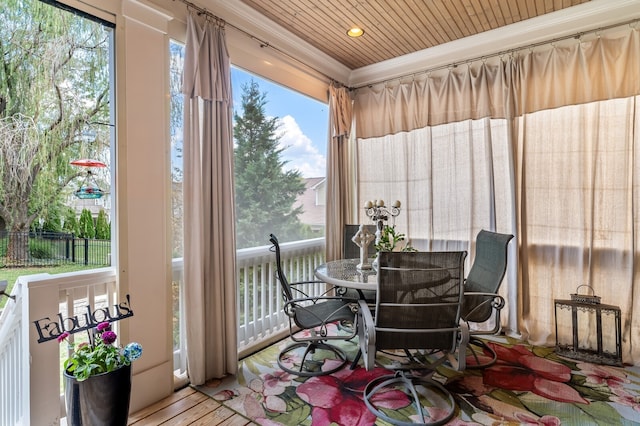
[528,385]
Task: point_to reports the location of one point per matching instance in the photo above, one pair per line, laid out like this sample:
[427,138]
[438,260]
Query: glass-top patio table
[343,273]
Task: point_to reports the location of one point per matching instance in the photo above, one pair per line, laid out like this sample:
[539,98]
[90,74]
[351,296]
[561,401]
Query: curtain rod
[263,44]
[501,53]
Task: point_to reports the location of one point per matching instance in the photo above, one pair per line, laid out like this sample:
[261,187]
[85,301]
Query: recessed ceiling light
[355,32]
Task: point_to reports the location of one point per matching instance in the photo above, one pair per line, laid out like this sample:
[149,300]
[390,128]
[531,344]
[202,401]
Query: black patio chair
[417,308]
[309,320]
[482,303]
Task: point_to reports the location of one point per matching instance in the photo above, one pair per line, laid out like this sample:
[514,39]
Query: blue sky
[303,122]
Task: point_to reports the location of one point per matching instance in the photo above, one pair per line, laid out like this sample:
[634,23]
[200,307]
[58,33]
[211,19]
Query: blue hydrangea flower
[133,351]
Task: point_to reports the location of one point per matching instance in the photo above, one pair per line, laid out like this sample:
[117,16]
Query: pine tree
[265,192]
[71,224]
[102,226]
[87,228]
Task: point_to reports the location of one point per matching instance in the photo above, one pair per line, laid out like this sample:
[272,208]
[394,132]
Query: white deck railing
[30,372]
[262,322]
[33,395]
[11,361]
[261,319]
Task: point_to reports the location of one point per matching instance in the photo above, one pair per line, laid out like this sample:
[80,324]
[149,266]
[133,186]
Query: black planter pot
[100,400]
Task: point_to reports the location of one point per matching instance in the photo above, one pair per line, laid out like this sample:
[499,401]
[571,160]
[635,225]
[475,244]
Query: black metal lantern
[589,319]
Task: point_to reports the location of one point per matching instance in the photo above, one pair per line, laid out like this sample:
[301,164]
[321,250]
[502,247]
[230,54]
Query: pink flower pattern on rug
[520,370]
[527,386]
[337,399]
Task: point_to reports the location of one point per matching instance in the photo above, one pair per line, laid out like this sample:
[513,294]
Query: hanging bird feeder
[89,189]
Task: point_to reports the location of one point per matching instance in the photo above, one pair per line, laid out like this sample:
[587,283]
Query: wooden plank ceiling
[395,27]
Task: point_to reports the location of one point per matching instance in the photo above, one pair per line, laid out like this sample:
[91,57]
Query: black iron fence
[18,249]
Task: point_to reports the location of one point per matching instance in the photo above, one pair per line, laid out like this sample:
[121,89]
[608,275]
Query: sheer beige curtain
[339,170]
[209,218]
[453,180]
[577,171]
[540,143]
[579,214]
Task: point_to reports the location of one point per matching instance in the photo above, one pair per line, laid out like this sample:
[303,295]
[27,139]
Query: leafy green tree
[54,91]
[71,224]
[102,226]
[87,227]
[265,193]
[53,217]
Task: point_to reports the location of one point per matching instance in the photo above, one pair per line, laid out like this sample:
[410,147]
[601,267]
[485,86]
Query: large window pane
[56,102]
[280,163]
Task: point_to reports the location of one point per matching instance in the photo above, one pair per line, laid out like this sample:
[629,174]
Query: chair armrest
[308,282]
[315,299]
[480,307]
[497,301]
[293,287]
[480,293]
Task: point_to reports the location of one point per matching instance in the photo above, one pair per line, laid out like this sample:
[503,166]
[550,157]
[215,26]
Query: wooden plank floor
[187,407]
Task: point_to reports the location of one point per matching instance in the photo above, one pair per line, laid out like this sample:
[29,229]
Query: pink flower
[623,397]
[109,337]
[497,412]
[519,369]
[601,375]
[337,399]
[63,337]
[276,383]
[103,326]
[528,419]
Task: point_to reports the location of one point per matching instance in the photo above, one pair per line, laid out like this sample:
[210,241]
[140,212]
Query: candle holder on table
[380,214]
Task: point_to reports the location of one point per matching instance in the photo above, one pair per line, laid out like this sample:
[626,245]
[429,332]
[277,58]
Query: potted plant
[389,238]
[98,378]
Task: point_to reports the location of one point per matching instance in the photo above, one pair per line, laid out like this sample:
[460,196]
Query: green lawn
[12,274]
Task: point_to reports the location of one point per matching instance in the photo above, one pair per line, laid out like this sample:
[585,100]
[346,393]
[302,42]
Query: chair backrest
[350,250]
[284,283]
[419,299]
[486,273]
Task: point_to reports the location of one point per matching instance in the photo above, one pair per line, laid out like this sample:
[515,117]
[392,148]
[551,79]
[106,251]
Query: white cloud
[299,151]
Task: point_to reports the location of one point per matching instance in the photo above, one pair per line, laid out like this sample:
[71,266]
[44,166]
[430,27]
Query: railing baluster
[264,312]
